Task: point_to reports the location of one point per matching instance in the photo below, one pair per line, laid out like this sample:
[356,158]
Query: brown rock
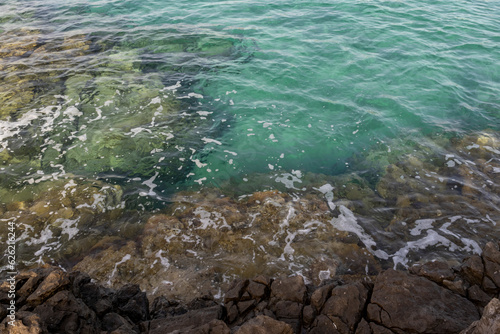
[478,296]
[25,323]
[256,290]
[436,271]
[363,327]
[320,296]
[410,303]
[456,286]
[63,313]
[213,327]
[308,315]
[264,325]
[185,322]
[489,322]
[245,306]
[289,288]
[489,286]
[287,309]
[323,325]
[236,291]
[472,269]
[377,329]
[491,257]
[262,280]
[54,282]
[346,303]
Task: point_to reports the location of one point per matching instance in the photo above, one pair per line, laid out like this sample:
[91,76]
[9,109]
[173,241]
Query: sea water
[374,107]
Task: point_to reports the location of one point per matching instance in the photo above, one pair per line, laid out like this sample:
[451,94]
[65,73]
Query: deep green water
[182,95]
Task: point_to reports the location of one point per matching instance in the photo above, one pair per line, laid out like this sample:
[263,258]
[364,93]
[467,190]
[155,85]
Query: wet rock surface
[49,300]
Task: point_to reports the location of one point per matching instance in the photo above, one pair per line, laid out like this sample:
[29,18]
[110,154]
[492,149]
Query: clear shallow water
[233,97]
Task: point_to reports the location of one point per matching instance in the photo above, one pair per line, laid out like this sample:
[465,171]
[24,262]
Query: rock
[289,288]
[363,327]
[436,271]
[264,325]
[235,292]
[320,295]
[410,303]
[245,306]
[346,305]
[456,286]
[25,323]
[132,302]
[213,327]
[113,321]
[491,257]
[478,296]
[64,313]
[489,322]
[97,297]
[323,325]
[285,309]
[54,282]
[472,269]
[185,322]
[256,290]
[308,315]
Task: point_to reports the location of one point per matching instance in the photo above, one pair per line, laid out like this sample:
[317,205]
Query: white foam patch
[123,260]
[422,224]
[346,221]
[69,227]
[327,190]
[163,260]
[208,140]
[287,179]
[209,219]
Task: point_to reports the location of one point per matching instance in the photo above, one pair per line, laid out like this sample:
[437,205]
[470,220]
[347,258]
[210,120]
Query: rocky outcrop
[430,298]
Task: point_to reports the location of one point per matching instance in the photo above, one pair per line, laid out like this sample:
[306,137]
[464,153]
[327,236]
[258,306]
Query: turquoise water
[159,97]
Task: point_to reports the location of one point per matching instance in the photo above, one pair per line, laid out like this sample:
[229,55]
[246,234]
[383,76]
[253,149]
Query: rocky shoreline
[430,298]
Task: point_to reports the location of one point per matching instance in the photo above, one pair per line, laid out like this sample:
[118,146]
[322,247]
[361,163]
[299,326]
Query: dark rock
[3,312]
[472,269]
[363,327]
[132,302]
[264,325]
[377,329]
[288,310]
[113,321]
[54,282]
[289,288]
[213,327]
[245,306]
[63,313]
[323,325]
[205,301]
[489,286]
[478,296]
[256,290]
[489,322]
[320,296]
[346,303]
[97,297]
[436,271]
[78,280]
[236,291]
[185,322]
[232,312]
[491,257]
[245,296]
[308,315]
[414,304]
